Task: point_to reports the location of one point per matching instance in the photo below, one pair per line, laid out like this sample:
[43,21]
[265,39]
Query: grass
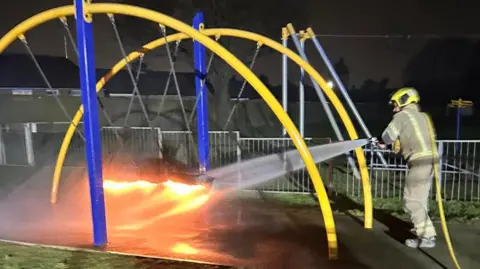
[455,211]
[14,256]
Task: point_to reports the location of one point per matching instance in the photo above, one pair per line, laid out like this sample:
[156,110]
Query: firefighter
[409,132]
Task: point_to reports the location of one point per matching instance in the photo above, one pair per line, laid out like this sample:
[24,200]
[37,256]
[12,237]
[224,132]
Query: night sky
[374,57]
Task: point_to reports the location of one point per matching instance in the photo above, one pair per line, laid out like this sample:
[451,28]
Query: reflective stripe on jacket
[410,126]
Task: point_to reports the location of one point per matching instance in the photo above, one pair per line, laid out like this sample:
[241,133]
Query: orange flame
[185,197]
[174,188]
[181,189]
[187,206]
[183,248]
[115,187]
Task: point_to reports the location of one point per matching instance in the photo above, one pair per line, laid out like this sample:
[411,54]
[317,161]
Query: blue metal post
[459,115]
[86,60]
[202,101]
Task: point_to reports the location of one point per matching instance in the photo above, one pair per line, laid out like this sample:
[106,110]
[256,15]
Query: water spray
[255,171]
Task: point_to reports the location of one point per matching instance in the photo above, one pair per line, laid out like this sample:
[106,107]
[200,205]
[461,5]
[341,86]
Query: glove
[374,141]
[397,147]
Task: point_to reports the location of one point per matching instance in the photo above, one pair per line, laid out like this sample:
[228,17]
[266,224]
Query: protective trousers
[415,197]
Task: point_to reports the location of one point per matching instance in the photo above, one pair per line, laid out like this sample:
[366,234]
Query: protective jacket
[410,127]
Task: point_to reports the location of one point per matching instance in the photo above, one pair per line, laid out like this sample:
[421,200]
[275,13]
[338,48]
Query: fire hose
[438,190]
[436,175]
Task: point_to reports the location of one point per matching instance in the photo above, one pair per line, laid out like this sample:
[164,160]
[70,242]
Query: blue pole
[86,60]
[459,115]
[201,92]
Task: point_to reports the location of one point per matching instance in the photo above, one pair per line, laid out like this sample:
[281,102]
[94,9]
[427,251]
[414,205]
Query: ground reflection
[170,220]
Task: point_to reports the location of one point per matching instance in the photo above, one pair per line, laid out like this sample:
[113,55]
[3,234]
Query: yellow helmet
[405,96]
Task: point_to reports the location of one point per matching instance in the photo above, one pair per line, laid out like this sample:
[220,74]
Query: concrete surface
[251,233]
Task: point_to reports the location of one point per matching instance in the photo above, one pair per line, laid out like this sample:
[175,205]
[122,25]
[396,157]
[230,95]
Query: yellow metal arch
[244,35]
[223,53]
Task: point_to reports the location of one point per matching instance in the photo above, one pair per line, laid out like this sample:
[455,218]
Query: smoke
[25,210]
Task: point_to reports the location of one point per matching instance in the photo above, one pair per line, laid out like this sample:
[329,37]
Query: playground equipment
[460,105]
[299,41]
[89,98]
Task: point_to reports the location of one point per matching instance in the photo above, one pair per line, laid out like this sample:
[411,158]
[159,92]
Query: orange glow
[175,188]
[181,189]
[183,248]
[181,207]
[187,206]
[164,199]
[123,187]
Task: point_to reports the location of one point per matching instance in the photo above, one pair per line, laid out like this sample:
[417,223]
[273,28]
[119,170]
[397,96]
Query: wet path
[251,233]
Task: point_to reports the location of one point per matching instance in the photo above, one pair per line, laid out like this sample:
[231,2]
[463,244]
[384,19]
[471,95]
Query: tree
[371,90]
[343,72]
[264,18]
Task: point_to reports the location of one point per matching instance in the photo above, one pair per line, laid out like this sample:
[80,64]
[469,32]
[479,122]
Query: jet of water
[255,171]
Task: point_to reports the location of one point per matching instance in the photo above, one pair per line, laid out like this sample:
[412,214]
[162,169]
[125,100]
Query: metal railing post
[3,155]
[29,144]
[440,166]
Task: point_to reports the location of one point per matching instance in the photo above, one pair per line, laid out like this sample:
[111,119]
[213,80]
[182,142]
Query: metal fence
[16,146]
[296,182]
[225,148]
[459,172]
[143,142]
[36,144]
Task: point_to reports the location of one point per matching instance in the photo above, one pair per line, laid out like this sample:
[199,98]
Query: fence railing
[459,171]
[36,144]
[298,181]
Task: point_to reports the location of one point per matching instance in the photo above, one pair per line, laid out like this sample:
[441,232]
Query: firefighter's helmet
[405,96]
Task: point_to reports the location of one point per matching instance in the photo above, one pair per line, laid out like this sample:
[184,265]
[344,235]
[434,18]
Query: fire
[183,248]
[181,189]
[123,187]
[187,206]
[173,188]
[183,197]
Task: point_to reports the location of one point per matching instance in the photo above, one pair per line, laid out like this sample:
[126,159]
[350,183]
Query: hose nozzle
[374,141]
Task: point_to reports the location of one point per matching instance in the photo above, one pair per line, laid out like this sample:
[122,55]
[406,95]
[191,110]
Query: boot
[421,242]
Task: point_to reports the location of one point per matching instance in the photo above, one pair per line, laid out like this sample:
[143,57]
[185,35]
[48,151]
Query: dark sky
[366,57]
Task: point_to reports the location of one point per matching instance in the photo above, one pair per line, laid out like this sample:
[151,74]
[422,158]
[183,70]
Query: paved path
[241,232]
